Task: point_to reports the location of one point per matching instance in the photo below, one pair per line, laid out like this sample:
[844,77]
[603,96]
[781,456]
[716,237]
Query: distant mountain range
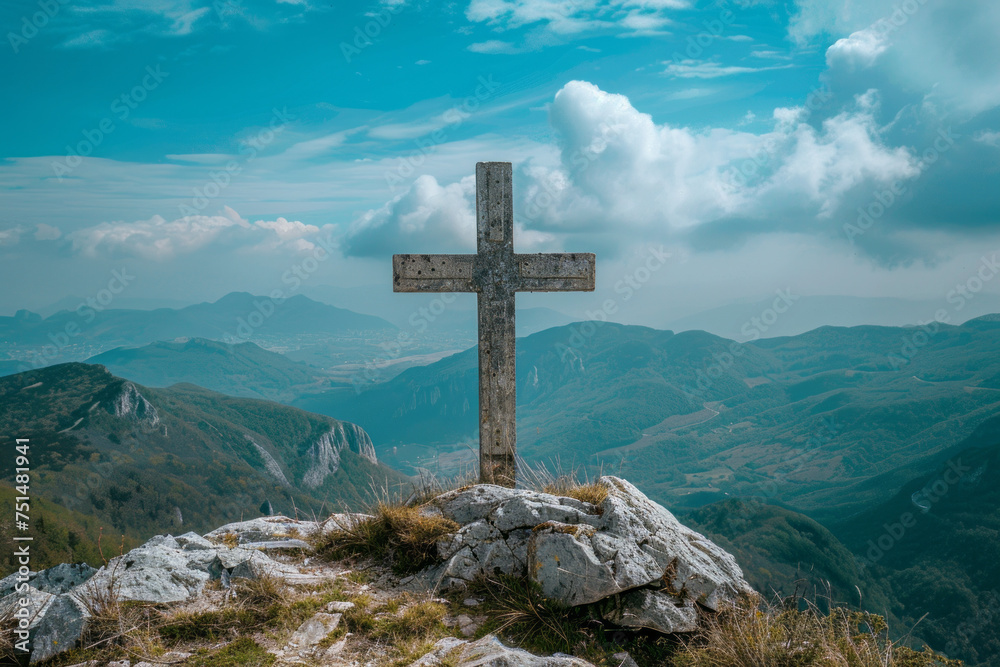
[888,438]
[692,416]
[144,461]
[243,369]
[752,320]
[236,317]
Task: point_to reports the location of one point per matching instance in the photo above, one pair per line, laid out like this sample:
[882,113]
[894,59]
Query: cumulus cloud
[944,51]
[620,166]
[861,49]
[624,178]
[428,218]
[159,239]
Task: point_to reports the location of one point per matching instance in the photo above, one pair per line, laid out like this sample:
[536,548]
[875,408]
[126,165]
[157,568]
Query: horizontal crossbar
[543,272]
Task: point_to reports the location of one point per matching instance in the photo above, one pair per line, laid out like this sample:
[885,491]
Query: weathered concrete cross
[495,273]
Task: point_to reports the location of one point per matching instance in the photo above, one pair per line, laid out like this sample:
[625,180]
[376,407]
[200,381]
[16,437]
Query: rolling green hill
[243,369]
[935,544]
[809,420]
[145,461]
[575,396]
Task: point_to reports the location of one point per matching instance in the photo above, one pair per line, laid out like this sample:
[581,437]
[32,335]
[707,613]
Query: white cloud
[563,18]
[159,239]
[45,232]
[701,69]
[319,146]
[429,218]
[989,138]
[10,236]
[946,51]
[861,49]
[494,46]
[625,179]
[184,24]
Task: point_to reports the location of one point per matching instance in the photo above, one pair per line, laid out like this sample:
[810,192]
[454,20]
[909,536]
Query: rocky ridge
[626,555]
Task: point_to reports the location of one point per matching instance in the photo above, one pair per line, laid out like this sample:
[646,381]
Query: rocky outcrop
[270,464]
[129,404]
[627,556]
[490,652]
[628,553]
[164,570]
[324,454]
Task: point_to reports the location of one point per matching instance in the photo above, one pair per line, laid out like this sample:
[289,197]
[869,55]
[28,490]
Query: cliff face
[130,404]
[324,454]
[136,460]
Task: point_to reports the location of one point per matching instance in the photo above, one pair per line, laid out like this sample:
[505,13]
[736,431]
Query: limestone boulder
[647,568]
[490,652]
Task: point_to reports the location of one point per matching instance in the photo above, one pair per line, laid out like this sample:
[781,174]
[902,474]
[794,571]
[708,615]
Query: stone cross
[495,273]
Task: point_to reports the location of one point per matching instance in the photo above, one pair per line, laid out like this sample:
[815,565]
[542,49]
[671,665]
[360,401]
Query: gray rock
[582,554]
[339,607]
[656,610]
[625,660]
[278,545]
[490,652]
[38,602]
[60,628]
[56,580]
[192,541]
[442,648]
[562,561]
[264,529]
[160,571]
[312,632]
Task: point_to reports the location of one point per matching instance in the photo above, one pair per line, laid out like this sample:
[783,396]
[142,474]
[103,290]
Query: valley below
[831,465]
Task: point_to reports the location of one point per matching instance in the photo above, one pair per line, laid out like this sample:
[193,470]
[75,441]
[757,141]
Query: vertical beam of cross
[496,274]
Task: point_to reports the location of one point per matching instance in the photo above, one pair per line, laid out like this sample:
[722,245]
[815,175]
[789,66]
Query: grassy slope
[194,470]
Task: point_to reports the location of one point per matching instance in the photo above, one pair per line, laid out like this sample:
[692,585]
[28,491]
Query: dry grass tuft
[748,636]
[396,534]
[118,626]
[594,493]
[561,483]
[8,637]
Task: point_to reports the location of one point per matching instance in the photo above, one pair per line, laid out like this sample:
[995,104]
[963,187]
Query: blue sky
[828,146]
